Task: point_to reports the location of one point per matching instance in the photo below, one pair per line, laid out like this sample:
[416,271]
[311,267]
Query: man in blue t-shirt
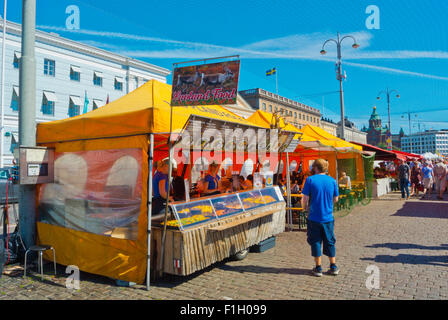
[319,193]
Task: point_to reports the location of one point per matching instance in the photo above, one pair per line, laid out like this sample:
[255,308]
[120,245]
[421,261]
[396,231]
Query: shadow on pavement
[423,210]
[400,246]
[411,259]
[170,281]
[261,270]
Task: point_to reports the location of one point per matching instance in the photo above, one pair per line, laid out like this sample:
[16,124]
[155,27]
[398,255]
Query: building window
[74,106]
[48,103]
[270,108]
[307,118]
[295,115]
[118,85]
[16,62]
[264,106]
[15,99]
[98,79]
[75,73]
[49,67]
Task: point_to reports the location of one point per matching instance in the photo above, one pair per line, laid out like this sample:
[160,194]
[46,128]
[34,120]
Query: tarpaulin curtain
[123,259]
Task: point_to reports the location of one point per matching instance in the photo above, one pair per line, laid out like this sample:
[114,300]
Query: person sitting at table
[211,181]
[160,187]
[345,181]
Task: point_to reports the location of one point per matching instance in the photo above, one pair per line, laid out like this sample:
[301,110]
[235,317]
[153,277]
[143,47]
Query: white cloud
[296,46]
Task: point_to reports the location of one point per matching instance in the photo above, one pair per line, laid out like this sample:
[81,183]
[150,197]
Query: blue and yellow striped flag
[270,72]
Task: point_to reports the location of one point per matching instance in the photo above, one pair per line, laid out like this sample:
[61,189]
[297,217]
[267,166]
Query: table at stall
[380,187]
[206,230]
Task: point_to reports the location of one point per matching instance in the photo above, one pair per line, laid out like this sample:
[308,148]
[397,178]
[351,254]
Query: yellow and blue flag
[270,72]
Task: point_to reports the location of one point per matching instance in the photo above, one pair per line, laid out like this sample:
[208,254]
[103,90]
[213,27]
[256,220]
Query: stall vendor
[212,183]
[160,187]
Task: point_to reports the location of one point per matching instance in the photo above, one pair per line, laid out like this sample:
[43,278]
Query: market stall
[207,230]
[95,214]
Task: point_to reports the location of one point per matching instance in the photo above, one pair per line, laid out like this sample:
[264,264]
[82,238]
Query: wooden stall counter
[207,230]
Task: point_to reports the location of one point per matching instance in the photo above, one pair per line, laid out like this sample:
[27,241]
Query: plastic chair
[40,249]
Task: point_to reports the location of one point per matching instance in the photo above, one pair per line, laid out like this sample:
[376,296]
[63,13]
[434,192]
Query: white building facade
[66,72]
[434,141]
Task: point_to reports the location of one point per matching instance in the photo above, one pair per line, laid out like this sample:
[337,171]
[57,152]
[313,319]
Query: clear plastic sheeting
[95,191]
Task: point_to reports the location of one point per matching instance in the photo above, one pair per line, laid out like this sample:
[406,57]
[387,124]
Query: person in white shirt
[345,180]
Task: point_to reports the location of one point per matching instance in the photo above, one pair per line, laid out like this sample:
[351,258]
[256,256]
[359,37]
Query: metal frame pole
[288,192]
[149,200]
[162,254]
[27,117]
[2,143]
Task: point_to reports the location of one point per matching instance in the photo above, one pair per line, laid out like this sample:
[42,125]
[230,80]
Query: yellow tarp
[328,139]
[144,110]
[265,119]
[122,259]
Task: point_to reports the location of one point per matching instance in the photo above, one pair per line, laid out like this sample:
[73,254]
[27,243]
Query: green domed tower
[375,120]
[376,134]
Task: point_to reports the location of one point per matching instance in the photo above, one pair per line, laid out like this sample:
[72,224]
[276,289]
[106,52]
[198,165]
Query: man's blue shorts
[319,233]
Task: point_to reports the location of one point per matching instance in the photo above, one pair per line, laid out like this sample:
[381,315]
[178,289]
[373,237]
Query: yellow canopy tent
[95,213]
[317,143]
[345,155]
[328,139]
[144,110]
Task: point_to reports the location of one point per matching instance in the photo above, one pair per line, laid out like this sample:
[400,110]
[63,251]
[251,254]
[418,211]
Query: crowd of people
[423,176]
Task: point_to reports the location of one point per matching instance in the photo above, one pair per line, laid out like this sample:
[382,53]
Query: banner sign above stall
[206,84]
[212,134]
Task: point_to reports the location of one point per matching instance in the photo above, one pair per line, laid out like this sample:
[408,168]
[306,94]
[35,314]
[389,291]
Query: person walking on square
[320,192]
[440,172]
[416,173]
[428,178]
[404,173]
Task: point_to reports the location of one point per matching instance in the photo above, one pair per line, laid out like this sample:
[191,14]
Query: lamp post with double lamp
[410,130]
[339,75]
[419,124]
[388,94]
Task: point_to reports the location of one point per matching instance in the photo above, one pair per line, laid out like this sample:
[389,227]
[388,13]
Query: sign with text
[207,84]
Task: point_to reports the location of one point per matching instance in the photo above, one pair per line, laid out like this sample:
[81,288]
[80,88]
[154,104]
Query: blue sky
[408,53]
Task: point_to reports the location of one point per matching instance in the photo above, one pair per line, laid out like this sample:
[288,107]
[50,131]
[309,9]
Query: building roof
[258,92]
[54,39]
[374,115]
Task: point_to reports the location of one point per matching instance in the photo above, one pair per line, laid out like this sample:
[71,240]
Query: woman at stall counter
[212,183]
[160,187]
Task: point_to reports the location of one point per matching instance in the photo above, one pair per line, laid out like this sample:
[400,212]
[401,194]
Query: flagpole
[276,82]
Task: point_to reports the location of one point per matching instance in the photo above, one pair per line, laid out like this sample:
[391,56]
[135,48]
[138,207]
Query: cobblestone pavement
[407,241]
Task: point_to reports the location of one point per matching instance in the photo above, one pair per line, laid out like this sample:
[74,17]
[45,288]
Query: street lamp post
[410,130]
[420,147]
[388,93]
[339,73]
